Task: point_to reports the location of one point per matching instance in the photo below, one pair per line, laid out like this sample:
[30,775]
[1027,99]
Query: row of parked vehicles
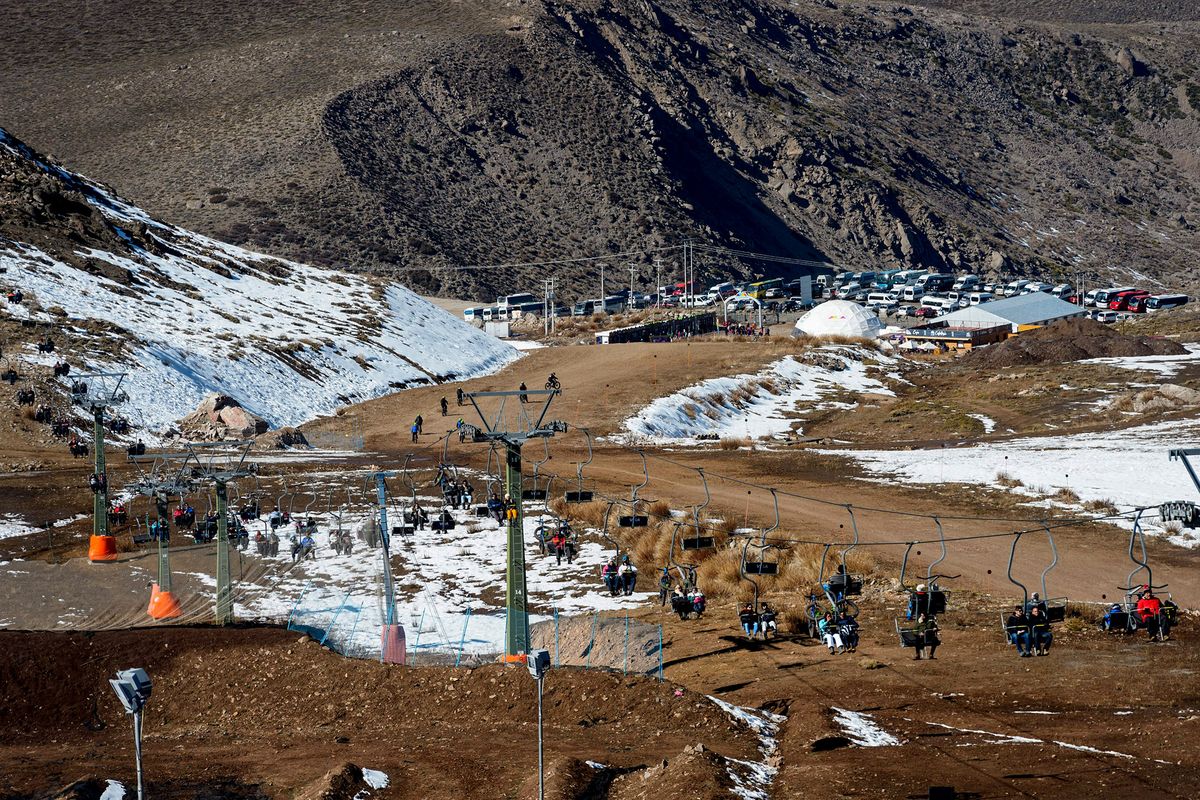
[918,293]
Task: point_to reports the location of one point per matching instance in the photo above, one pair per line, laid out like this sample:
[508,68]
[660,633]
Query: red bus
[1120,300]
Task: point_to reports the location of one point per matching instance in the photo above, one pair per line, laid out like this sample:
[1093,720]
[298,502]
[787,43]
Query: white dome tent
[838,318]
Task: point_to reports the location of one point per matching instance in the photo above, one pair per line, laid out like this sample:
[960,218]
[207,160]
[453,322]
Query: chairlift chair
[841,583]
[482,510]
[1055,607]
[634,519]
[699,541]
[1134,590]
[581,495]
[686,572]
[535,493]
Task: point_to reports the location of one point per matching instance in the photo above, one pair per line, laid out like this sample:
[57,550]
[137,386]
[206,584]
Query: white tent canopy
[838,318]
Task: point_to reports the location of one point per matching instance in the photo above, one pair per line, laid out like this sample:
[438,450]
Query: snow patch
[862,729]
[989,424]
[752,779]
[115,790]
[375,778]
[753,405]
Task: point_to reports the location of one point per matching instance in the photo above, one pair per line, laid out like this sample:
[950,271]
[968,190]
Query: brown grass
[1100,506]
[731,443]
[1065,495]
[1008,481]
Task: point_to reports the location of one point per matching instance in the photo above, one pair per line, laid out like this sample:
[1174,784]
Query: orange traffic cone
[102,548]
[163,605]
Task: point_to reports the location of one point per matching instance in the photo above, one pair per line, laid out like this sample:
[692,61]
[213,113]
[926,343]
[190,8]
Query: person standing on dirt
[415,430]
[523,389]
[1017,629]
[420,423]
[749,620]
[445,406]
[927,636]
[664,587]
[459,395]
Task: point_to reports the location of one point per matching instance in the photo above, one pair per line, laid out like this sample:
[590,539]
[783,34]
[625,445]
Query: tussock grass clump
[1006,480]
[1065,495]
[735,443]
[1100,506]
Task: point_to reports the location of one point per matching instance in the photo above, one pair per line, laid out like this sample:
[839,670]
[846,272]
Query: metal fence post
[462,641]
[296,605]
[333,621]
[660,653]
[592,643]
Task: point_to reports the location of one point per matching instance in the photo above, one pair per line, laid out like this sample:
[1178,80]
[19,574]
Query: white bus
[1102,296]
[1161,302]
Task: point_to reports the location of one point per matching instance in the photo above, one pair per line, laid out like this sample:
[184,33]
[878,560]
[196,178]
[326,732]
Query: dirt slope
[380,136]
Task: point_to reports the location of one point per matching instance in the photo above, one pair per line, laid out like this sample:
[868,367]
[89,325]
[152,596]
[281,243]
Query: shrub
[733,443]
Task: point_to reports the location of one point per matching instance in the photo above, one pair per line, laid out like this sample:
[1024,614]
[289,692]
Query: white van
[881,300]
[1015,288]
[966,283]
[975,298]
[911,293]
[940,304]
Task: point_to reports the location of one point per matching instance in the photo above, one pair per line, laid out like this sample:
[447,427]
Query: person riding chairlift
[627,576]
[749,620]
[927,636]
[766,619]
[1040,635]
[1150,614]
[830,633]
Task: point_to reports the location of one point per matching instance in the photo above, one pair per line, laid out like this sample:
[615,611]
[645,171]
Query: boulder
[219,417]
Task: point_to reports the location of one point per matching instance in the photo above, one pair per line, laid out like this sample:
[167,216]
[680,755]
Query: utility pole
[602,294]
[632,274]
[658,280]
[392,648]
[523,428]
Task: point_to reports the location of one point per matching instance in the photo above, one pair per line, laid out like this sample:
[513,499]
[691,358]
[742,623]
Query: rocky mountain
[188,319]
[1056,139]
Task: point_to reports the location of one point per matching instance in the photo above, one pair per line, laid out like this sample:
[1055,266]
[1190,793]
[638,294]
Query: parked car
[925,312]
[1105,316]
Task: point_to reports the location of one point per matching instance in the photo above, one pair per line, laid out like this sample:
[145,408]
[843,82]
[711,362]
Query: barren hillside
[1056,138]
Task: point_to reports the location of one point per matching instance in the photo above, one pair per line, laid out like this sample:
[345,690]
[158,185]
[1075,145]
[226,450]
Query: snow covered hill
[186,315]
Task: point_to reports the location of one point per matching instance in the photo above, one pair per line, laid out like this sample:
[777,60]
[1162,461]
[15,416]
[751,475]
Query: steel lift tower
[98,391]
[513,431]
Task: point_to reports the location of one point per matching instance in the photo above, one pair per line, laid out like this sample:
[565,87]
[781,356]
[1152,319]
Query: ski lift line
[555,262]
[823,501]
[750,255]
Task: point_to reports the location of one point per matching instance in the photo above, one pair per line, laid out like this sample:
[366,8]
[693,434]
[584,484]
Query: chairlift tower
[392,647]
[99,391]
[154,485]
[226,462]
[513,431]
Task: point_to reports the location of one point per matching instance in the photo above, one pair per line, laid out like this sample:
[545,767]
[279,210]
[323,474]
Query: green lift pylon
[99,390]
[513,436]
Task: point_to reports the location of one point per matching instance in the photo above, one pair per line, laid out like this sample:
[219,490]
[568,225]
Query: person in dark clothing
[523,389]
[459,395]
[1016,626]
[1040,636]
[664,587]
[420,423]
[445,406]
[766,619]
[927,636]
[749,619]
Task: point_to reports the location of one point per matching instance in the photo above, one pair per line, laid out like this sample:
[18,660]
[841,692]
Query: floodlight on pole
[539,664]
[133,688]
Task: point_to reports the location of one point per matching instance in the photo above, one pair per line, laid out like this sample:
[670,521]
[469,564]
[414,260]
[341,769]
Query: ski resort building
[1020,313]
